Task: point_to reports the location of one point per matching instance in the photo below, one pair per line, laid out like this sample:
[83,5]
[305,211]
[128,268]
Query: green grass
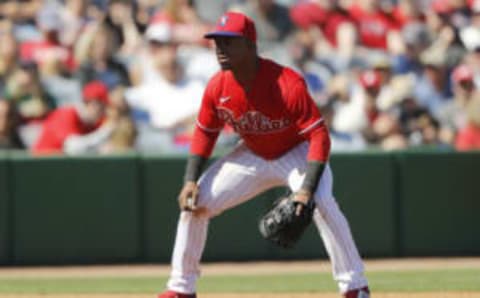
[390,281]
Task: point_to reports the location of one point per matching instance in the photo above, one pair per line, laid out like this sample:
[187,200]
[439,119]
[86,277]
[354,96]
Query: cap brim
[222,34]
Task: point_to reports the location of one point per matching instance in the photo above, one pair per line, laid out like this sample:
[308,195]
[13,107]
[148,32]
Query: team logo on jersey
[223,21]
[252,122]
[224,99]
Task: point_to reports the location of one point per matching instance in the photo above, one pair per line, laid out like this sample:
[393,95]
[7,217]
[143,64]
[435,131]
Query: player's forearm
[312,177]
[194,168]
[318,155]
[201,148]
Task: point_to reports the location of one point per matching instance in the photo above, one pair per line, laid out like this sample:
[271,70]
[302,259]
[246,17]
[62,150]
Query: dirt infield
[238,268]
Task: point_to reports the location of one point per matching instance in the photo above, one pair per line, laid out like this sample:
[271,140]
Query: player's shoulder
[60,117]
[216,82]
[63,112]
[284,73]
[217,77]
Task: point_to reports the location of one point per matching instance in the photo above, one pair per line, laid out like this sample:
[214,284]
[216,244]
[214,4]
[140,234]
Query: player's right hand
[187,199]
[303,197]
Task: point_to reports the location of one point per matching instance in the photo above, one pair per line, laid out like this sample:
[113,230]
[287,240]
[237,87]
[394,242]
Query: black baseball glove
[282,226]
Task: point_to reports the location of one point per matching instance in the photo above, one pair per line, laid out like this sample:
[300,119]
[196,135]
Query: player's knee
[201,212]
[207,207]
[193,215]
[324,205]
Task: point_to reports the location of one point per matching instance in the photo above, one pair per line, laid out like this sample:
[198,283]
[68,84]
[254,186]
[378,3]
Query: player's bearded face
[231,52]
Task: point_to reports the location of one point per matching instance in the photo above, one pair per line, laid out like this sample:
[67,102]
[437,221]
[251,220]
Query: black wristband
[194,167]
[312,177]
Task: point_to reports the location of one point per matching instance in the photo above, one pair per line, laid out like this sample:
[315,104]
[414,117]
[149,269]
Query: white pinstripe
[311,126]
[250,175]
[203,127]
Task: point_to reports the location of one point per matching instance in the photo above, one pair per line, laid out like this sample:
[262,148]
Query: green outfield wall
[440,203]
[161,180]
[364,187]
[75,210]
[79,210]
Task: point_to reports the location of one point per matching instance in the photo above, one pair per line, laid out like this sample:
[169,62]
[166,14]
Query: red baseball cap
[234,24]
[370,79]
[462,73]
[95,91]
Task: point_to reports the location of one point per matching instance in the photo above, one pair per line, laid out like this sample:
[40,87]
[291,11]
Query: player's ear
[251,45]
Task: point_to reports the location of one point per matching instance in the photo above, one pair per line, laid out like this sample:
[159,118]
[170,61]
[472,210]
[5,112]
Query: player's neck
[245,75]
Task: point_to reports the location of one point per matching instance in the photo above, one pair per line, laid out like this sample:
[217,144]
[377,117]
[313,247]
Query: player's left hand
[187,199]
[302,196]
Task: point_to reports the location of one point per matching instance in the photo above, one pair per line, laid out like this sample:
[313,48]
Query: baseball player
[284,143]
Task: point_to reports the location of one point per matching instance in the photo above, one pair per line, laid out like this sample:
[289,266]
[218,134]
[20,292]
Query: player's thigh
[293,168]
[323,196]
[233,179]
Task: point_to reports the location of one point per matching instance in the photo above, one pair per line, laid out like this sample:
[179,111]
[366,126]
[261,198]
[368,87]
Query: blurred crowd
[107,76]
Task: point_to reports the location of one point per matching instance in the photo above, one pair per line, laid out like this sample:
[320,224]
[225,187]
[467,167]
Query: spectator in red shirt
[338,34]
[375,26]
[468,138]
[49,50]
[77,129]
[328,15]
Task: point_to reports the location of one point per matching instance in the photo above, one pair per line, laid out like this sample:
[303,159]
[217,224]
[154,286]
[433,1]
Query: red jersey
[373,27]
[334,21]
[468,138]
[58,126]
[308,13]
[273,117]
[44,51]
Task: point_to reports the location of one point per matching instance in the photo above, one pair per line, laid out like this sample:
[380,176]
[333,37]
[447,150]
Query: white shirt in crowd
[166,104]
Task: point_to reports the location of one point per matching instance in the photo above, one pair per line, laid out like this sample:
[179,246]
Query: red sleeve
[465,140]
[319,149]
[309,122]
[203,142]
[208,124]
[56,128]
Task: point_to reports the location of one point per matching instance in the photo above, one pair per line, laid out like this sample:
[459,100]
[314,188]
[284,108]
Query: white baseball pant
[241,175]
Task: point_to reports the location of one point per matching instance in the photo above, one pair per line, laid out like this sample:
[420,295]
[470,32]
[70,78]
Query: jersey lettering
[252,122]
